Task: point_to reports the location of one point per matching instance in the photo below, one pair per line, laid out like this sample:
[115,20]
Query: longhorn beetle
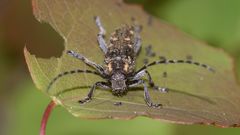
[120,59]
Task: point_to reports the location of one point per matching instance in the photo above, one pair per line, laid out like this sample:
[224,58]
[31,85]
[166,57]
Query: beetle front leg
[142,73]
[147,97]
[102,85]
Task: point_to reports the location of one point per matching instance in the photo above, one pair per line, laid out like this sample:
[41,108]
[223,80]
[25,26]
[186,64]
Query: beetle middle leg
[90,63]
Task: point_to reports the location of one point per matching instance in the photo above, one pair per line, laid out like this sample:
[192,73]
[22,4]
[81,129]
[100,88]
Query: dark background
[21,104]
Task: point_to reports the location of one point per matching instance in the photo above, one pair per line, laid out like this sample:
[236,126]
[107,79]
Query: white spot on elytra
[114,39]
[127,39]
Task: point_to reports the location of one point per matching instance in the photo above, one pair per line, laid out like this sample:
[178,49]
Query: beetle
[120,59]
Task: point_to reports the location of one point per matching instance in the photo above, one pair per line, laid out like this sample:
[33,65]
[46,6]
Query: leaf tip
[26,53]
[25,50]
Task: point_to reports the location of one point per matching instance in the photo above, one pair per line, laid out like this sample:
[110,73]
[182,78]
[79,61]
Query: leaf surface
[196,95]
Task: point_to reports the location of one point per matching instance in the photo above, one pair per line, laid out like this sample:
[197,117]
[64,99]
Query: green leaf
[196,95]
[218,23]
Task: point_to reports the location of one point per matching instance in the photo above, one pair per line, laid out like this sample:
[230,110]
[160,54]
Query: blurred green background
[216,22]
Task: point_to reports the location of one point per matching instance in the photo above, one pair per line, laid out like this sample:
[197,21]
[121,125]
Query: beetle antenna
[164,61]
[68,73]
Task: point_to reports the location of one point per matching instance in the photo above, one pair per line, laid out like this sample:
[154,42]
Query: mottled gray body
[120,58]
[119,69]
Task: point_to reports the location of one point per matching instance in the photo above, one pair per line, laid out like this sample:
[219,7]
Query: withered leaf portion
[196,95]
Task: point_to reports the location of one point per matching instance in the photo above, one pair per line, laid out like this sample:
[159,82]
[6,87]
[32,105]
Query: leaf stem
[45,117]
